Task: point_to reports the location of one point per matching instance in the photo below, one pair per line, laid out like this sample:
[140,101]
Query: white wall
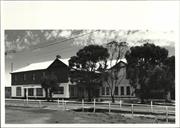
[65,95]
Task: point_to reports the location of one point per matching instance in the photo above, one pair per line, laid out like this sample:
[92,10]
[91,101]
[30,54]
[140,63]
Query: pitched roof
[46,64]
[39,66]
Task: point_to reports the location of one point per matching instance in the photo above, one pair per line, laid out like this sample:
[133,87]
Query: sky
[133,22]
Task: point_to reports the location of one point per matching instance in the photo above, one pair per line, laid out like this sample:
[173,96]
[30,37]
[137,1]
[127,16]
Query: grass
[27,115]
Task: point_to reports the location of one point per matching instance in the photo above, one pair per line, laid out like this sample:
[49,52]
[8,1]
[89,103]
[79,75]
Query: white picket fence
[120,106]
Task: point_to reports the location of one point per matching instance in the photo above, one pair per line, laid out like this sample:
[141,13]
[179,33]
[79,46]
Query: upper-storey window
[15,77]
[33,77]
[43,74]
[24,77]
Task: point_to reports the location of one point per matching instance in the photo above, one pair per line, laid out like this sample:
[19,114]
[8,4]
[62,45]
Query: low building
[122,89]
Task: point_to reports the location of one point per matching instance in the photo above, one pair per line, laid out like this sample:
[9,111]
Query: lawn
[27,115]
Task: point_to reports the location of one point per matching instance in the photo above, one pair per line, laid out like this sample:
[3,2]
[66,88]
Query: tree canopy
[87,62]
[142,64]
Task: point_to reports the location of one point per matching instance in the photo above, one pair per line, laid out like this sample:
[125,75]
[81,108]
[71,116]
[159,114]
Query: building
[26,81]
[123,89]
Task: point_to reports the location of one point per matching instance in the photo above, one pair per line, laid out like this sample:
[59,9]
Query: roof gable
[39,66]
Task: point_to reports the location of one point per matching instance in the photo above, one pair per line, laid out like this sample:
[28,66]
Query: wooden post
[151,106]
[24,102]
[83,105]
[62,101]
[167,114]
[65,105]
[132,110]
[27,100]
[120,103]
[94,105]
[40,103]
[109,107]
[58,102]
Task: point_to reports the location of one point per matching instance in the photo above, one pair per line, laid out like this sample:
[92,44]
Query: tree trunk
[50,95]
[46,93]
[112,98]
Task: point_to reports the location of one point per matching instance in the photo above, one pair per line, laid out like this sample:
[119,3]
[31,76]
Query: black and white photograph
[86,75]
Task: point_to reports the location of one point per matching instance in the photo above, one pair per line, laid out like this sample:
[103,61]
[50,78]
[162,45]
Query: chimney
[58,57]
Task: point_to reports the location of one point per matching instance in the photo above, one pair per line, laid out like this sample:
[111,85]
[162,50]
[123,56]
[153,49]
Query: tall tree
[141,61]
[114,76]
[88,61]
[50,84]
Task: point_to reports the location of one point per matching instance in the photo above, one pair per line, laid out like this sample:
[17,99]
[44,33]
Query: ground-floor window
[103,91]
[39,92]
[128,90]
[122,90]
[18,91]
[60,90]
[30,91]
[107,90]
[116,91]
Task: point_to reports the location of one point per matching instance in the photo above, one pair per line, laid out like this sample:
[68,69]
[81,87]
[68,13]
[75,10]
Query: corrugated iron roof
[46,64]
[39,66]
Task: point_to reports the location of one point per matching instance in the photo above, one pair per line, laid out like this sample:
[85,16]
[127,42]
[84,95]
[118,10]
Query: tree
[114,76]
[88,62]
[161,79]
[50,84]
[141,61]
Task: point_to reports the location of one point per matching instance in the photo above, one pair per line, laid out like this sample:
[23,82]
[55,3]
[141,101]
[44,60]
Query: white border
[89,15]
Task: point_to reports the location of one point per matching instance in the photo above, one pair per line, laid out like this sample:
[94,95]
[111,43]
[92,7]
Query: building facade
[26,82]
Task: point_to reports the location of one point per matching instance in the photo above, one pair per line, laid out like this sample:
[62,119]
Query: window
[60,90]
[107,90]
[103,91]
[122,90]
[44,74]
[18,91]
[15,77]
[33,77]
[31,92]
[24,77]
[116,92]
[39,92]
[128,90]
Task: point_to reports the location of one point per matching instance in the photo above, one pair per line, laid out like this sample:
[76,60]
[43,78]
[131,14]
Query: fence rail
[95,106]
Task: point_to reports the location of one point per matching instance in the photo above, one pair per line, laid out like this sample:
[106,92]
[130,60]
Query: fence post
[132,110]
[65,105]
[58,102]
[40,103]
[94,105]
[151,106]
[83,105]
[27,100]
[120,103]
[109,107]
[62,101]
[167,114]
[24,102]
